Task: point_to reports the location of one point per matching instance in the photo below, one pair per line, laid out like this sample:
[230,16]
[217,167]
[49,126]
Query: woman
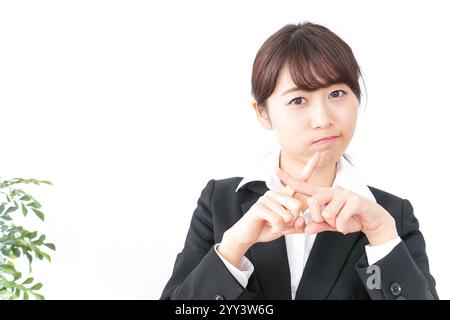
[303,225]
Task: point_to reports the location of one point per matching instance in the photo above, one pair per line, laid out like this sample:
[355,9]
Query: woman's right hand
[273,215]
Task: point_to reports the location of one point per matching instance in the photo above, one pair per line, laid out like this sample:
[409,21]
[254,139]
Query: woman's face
[300,118]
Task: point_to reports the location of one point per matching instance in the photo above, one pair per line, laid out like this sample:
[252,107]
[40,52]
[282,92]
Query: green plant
[17,242]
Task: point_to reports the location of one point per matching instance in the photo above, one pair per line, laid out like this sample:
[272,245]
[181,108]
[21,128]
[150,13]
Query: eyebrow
[298,89]
[291,90]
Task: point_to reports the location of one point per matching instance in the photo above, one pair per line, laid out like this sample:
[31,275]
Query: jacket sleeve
[199,273]
[404,273]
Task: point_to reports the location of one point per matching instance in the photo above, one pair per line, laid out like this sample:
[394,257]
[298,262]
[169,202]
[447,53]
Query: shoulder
[223,196]
[392,203]
[223,185]
[384,196]
[223,188]
[227,184]
[399,208]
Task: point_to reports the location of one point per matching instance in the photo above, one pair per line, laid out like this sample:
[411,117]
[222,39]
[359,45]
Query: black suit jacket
[336,267]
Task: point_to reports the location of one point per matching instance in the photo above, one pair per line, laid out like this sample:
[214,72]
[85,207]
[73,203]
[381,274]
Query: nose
[320,117]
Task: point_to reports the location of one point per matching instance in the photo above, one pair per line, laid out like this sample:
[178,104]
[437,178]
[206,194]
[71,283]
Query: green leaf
[5,294]
[46,256]
[28,281]
[34,204]
[40,240]
[36,286]
[25,295]
[46,182]
[38,254]
[25,198]
[6,284]
[17,276]
[38,296]
[31,235]
[30,259]
[39,214]
[8,269]
[6,252]
[10,242]
[50,245]
[15,229]
[24,210]
[11,209]
[15,251]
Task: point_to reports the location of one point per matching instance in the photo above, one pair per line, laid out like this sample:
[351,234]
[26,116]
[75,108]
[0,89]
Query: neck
[323,175]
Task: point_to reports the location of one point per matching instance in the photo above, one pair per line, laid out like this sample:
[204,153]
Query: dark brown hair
[314,56]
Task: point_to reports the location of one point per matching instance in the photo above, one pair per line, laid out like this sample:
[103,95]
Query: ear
[262,114]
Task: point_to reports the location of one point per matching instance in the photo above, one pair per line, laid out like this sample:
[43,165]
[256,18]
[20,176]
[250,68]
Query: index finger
[307,171]
[294,185]
[310,166]
[305,175]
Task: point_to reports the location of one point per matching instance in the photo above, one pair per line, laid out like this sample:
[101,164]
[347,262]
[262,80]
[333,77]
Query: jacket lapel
[269,258]
[325,262]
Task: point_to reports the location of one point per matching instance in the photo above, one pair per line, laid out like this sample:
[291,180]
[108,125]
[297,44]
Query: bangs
[313,66]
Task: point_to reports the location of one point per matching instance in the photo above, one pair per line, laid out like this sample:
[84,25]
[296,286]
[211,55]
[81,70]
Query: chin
[328,158]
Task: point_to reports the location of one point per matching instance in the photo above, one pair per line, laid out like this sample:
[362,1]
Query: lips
[325,139]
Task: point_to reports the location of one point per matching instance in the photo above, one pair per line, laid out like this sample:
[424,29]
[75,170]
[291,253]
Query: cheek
[289,131]
[346,121]
[289,125]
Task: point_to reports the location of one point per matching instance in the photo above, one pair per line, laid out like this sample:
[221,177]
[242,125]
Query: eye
[298,100]
[337,93]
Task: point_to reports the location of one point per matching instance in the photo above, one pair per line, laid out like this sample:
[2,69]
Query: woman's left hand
[338,209]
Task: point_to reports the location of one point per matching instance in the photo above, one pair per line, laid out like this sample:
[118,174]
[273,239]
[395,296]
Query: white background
[130,107]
